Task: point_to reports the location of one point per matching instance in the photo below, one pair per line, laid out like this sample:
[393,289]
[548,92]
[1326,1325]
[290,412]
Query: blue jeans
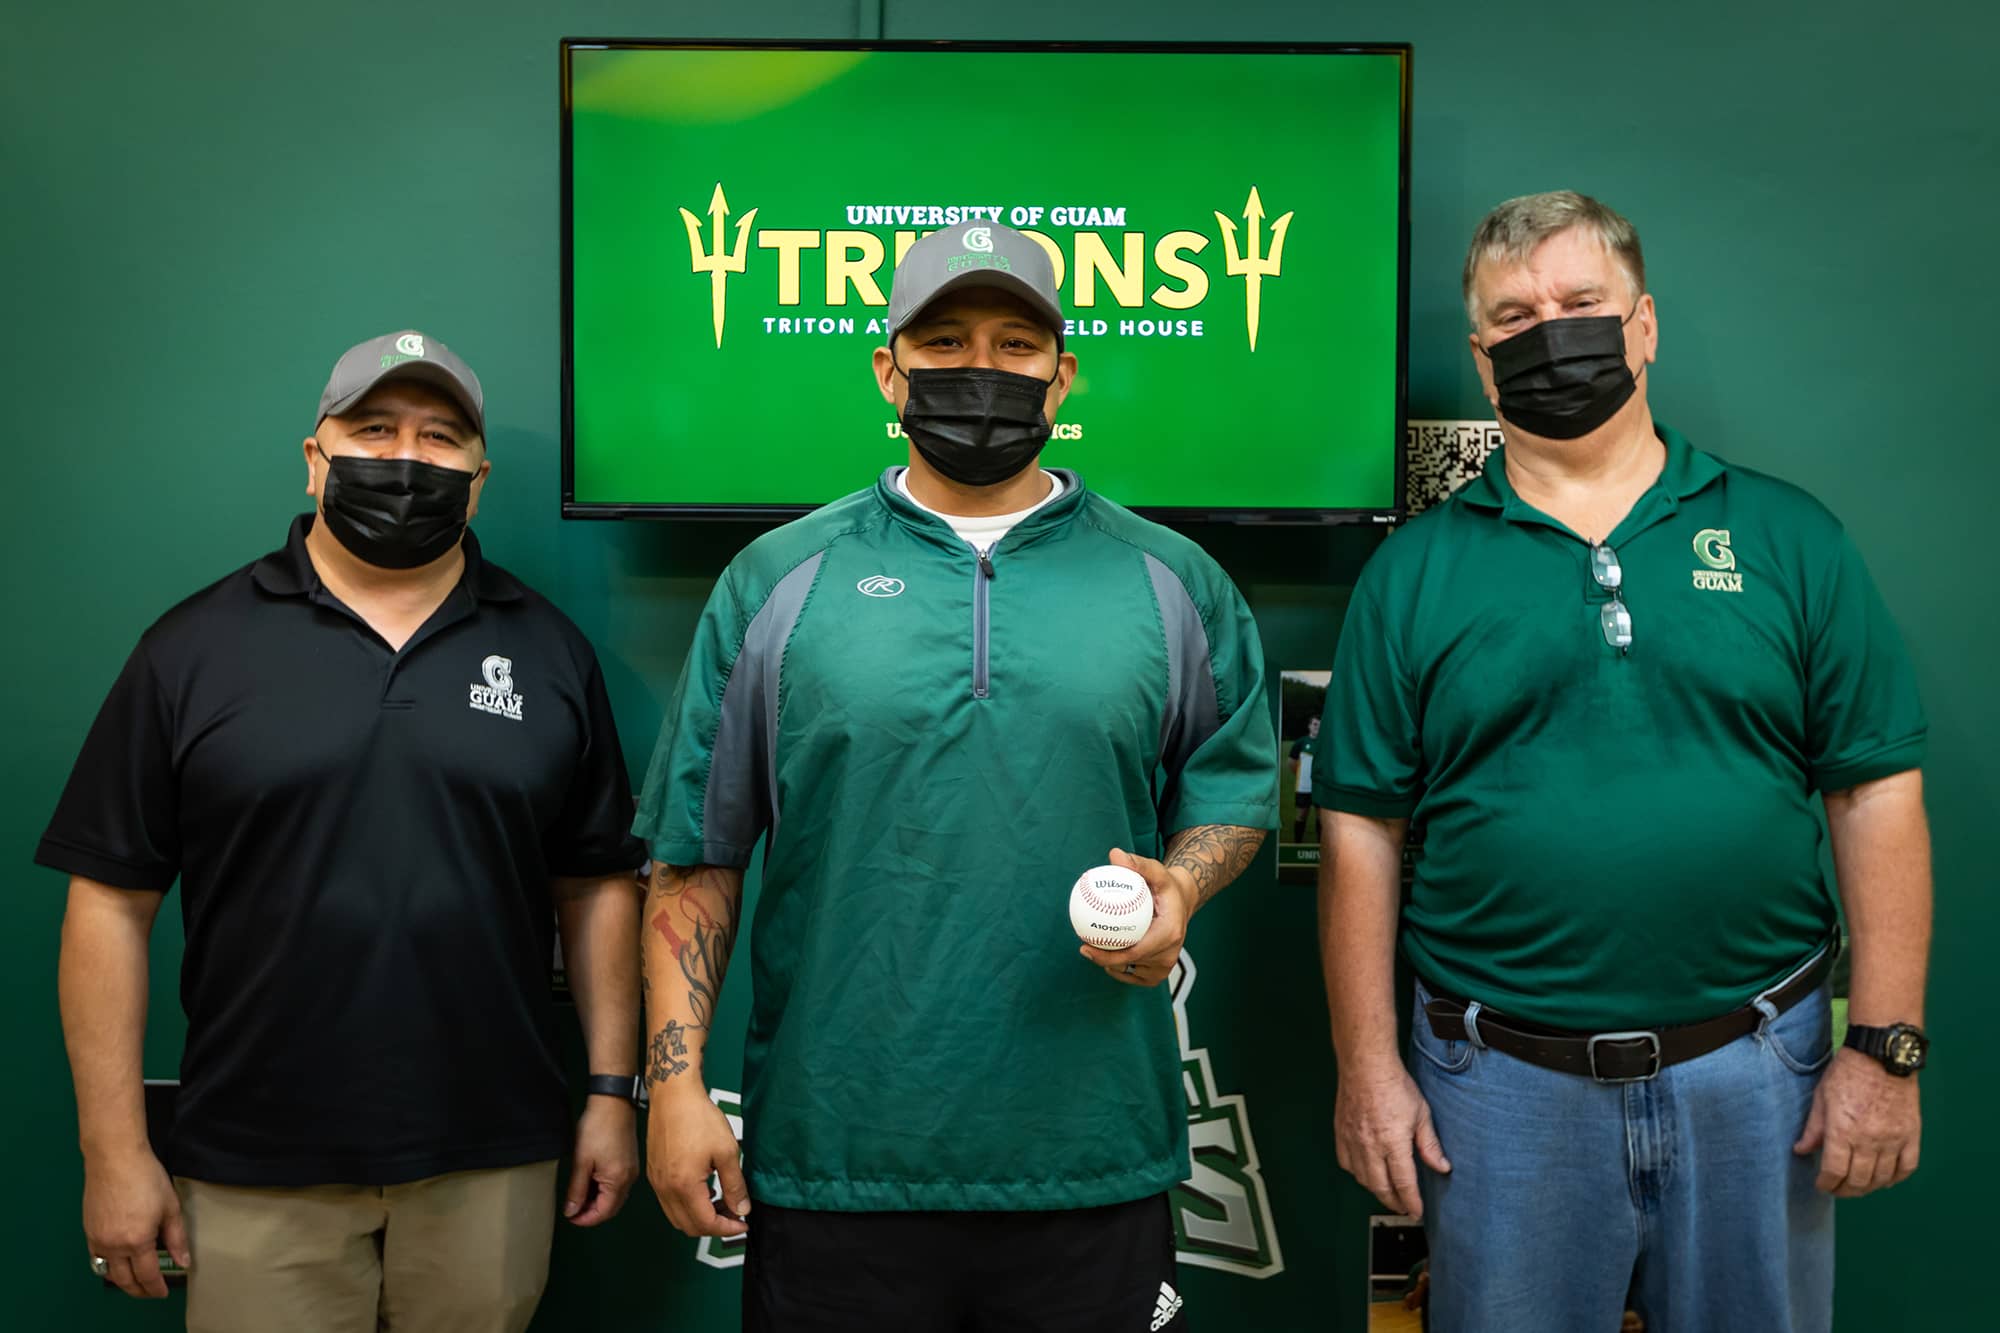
[1569,1199]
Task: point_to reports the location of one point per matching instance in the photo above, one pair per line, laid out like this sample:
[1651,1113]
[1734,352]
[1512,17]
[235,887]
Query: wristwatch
[625,1087]
[1901,1047]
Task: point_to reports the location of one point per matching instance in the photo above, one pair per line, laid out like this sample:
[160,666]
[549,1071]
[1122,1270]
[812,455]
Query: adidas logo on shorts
[1164,1309]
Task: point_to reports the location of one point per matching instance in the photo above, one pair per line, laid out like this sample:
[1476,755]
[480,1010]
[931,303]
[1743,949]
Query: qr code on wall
[1443,456]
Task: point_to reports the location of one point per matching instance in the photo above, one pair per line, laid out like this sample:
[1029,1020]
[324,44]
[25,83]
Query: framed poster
[1301,696]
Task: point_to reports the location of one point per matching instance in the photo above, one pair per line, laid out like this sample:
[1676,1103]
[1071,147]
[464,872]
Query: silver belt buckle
[1652,1037]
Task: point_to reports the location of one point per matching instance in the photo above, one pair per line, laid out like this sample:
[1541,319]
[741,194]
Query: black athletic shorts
[1079,1270]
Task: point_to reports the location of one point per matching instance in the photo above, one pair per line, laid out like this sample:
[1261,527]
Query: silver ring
[100,1265]
[1131,969]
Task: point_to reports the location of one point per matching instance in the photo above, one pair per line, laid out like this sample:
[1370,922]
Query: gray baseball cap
[404,355]
[974,254]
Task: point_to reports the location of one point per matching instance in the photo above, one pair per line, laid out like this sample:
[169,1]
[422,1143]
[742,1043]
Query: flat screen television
[1230,227]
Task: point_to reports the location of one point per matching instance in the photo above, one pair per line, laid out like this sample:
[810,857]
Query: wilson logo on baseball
[1110,907]
[880,585]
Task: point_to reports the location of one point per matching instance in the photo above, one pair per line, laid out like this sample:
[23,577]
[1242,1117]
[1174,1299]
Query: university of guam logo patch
[1711,547]
[978,243]
[409,347]
[496,695]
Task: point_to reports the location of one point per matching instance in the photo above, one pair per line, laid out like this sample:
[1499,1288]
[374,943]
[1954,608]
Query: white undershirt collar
[984,531]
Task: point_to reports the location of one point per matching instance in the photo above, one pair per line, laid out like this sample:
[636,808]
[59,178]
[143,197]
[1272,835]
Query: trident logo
[1250,266]
[719,263]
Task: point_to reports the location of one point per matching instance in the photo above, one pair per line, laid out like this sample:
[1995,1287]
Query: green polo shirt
[1616,840]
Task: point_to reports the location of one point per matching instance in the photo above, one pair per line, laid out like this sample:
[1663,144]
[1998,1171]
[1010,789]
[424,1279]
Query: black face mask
[974,425]
[394,513]
[1563,378]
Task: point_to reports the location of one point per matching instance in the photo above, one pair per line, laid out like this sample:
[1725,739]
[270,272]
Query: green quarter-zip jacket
[937,744]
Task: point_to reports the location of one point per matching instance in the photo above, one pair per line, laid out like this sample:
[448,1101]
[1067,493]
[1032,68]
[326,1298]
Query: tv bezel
[766,512]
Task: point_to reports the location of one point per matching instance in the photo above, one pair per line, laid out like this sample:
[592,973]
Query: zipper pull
[985,564]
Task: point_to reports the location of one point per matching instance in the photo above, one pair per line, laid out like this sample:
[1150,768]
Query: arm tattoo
[703,960]
[1213,855]
[666,1055]
[703,902]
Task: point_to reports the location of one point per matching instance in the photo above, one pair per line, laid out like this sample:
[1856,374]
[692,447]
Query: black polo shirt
[364,840]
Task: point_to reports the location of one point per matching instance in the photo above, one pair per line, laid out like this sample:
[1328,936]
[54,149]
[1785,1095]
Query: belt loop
[1763,1003]
[1472,1026]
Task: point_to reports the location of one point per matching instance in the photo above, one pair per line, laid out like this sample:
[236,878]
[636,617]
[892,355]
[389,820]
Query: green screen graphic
[1225,228]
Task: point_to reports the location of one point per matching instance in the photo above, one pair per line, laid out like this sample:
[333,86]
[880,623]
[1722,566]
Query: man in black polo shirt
[375,763]
[1607,681]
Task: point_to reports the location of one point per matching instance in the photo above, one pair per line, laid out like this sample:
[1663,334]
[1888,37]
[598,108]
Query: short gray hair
[1511,232]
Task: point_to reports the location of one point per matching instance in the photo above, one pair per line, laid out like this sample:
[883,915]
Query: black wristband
[626,1087]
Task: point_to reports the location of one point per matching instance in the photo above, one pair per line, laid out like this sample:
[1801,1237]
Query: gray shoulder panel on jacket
[1194,711]
[742,795]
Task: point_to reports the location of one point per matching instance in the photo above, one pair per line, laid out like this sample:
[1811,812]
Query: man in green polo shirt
[1606,681]
[938,701]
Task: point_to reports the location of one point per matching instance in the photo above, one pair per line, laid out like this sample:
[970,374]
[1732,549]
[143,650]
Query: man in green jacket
[939,700]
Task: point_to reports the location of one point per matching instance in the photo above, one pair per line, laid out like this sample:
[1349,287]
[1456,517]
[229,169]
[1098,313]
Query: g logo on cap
[979,238]
[411,344]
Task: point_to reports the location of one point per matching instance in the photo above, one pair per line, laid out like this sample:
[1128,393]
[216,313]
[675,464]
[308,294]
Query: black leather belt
[1620,1057]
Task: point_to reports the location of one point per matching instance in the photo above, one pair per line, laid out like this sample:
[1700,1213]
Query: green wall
[205,204]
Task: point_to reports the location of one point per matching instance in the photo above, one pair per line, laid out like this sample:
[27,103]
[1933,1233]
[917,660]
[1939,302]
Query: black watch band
[625,1087]
[1900,1048]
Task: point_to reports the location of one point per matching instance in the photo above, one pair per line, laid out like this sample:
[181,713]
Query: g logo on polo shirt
[1711,547]
[497,695]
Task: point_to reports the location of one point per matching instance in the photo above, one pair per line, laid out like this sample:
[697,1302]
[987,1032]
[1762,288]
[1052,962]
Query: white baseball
[1110,907]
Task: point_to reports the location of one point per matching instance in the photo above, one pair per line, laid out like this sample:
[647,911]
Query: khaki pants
[466,1252]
